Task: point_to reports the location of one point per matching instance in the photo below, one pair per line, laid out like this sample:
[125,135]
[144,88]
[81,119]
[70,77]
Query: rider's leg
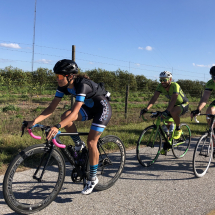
[210,110]
[92,140]
[175,113]
[71,128]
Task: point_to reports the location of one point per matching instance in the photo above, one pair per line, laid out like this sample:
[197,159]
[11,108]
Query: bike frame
[158,128]
[211,130]
[55,141]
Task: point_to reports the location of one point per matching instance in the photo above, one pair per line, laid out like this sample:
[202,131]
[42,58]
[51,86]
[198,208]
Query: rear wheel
[181,145]
[149,146]
[202,155]
[23,190]
[112,157]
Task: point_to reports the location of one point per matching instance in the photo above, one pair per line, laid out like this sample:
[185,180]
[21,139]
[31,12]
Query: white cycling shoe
[90,186]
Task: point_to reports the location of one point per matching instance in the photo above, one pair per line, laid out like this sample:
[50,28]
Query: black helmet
[65,67]
[212,70]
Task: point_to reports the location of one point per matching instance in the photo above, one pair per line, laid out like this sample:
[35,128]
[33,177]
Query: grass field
[14,108]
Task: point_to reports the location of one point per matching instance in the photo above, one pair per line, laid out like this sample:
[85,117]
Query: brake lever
[24,125]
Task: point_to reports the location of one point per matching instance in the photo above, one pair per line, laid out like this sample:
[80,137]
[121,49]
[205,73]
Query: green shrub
[10,108]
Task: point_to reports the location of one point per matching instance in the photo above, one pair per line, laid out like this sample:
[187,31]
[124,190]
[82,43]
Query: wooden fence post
[126,101]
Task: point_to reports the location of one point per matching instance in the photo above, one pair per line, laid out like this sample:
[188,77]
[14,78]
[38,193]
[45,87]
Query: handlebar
[154,114]
[208,116]
[47,129]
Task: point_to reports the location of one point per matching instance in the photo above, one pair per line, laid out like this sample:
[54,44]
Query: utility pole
[73,58]
[34,35]
[73,52]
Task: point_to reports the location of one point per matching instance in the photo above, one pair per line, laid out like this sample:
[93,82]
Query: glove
[166,114]
[143,111]
[195,112]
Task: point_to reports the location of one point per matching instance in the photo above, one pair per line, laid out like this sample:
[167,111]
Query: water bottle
[165,129]
[171,129]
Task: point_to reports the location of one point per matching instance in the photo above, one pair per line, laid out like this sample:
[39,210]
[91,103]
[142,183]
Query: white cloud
[137,64]
[44,61]
[10,45]
[148,48]
[90,62]
[202,65]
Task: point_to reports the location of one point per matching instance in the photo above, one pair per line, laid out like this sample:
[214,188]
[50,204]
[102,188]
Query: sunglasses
[164,80]
[60,77]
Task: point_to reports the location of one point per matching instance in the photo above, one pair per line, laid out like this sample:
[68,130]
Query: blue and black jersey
[96,105]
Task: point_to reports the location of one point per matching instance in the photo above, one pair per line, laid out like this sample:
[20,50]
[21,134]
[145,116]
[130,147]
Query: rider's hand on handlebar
[194,113]
[165,114]
[52,133]
[29,125]
[143,111]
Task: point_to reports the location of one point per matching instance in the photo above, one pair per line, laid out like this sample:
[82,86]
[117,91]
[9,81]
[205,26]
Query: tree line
[114,80]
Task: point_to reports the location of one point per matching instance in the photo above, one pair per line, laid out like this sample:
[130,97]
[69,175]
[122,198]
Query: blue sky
[141,36]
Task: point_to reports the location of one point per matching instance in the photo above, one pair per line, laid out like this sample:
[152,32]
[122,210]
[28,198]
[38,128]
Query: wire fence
[45,58]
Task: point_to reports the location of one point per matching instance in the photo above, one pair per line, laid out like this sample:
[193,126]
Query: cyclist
[210,85]
[178,104]
[92,102]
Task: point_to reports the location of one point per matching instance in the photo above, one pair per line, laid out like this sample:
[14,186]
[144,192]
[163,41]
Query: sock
[93,171]
[76,139]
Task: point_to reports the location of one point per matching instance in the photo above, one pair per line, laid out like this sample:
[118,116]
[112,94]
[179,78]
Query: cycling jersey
[97,107]
[174,89]
[210,85]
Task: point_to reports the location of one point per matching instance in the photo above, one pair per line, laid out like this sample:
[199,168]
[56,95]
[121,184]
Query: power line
[92,55]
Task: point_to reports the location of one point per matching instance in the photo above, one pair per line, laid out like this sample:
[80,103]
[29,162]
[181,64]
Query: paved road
[167,187]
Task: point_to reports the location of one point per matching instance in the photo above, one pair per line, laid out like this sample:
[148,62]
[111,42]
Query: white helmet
[165,74]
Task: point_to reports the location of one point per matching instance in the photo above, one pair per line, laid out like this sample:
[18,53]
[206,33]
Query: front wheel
[202,155]
[112,157]
[181,145]
[23,190]
[149,146]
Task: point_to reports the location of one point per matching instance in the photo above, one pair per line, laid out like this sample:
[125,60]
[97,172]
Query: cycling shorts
[212,104]
[100,113]
[184,109]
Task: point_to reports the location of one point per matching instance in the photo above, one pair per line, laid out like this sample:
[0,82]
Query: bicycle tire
[181,145]
[112,156]
[202,155]
[26,195]
[147,152]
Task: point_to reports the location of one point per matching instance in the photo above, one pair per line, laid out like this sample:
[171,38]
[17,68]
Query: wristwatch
[58,126]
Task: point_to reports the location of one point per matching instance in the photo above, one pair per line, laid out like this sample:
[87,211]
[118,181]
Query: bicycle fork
[151,135]
[49,156]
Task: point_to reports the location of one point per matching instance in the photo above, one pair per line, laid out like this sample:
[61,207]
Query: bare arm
[204,99]
[153,99]
[48,111]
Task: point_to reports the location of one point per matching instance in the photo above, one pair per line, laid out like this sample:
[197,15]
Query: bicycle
[35,176]
[150,141]
[204,152]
